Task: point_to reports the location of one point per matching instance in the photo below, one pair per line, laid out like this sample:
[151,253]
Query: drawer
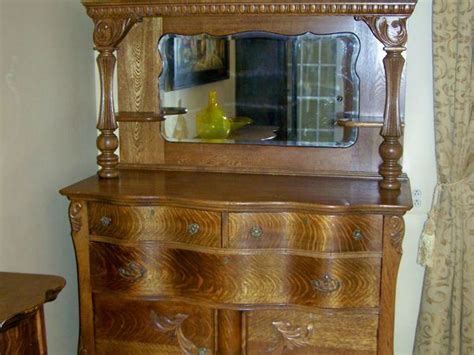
[322,233]
[326,332]
[155,223]
[125,326]
[253,277]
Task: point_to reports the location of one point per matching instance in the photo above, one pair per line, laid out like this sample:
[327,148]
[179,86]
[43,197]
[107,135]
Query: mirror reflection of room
[261,88]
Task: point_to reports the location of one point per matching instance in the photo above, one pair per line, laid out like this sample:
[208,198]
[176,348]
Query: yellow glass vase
[211,122]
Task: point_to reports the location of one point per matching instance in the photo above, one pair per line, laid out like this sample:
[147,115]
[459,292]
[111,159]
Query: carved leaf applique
[293,336]
[173,325]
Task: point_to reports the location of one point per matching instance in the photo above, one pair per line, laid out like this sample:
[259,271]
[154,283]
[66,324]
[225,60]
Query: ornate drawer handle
[326,284]
[106,221]
[256,232]
[193,229]
[357,234]
[132,271]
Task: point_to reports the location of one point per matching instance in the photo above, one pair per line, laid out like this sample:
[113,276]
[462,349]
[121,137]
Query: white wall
[419,164]
[47,141]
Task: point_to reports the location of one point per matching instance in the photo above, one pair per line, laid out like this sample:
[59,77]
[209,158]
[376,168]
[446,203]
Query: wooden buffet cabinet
[232,248]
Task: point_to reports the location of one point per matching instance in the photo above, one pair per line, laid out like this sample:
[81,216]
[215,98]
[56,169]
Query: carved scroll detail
[174,324]
[75,216]
[396,231]
[293,336]
[392,32]
[108,33]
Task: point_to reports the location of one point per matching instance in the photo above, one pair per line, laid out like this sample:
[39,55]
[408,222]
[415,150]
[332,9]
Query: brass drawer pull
[106,221]
[193,229]
[357,234]
[132,271]
[256,232]
[326,284]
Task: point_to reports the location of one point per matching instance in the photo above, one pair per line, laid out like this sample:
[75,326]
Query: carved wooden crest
[235,8]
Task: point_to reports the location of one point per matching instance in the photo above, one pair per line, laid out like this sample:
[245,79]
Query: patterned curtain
[446,318]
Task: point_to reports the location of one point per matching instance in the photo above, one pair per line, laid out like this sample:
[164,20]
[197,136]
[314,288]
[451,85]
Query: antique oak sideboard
[207,248]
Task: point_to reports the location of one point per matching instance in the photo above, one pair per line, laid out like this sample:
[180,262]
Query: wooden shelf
[149,116]
[347,123]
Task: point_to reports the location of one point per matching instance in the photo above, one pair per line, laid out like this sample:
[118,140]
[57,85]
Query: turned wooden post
[108,33]
[391,31]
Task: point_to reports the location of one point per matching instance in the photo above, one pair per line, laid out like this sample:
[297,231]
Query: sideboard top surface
[234,192]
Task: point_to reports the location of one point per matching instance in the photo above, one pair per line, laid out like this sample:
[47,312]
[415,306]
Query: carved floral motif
[75,216]
[293,336]
[396,231]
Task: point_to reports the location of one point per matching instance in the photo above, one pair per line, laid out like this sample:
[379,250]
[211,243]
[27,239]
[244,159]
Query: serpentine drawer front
[171,224]
[254,277]
[321,233]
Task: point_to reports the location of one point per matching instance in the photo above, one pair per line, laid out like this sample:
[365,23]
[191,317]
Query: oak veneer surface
[21,294]
[148,269]
[303,231]
[155,223]
[22,329]
[241,191]
[325,332]
[130,326]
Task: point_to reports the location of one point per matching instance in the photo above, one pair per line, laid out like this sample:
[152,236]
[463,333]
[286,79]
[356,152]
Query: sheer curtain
[446,318]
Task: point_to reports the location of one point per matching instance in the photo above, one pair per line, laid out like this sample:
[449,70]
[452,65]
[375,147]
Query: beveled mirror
[261,88]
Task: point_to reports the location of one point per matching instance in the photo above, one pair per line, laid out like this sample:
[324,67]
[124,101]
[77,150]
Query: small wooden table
[22,297]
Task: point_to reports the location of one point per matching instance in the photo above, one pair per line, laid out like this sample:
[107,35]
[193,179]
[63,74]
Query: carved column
[391,31]
[108,33]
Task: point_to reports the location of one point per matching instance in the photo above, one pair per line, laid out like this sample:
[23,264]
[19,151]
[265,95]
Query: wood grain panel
[138,68]
[226,277]
[292,332]
[24,338]
[393,233]
[128,327]
[230,332]
[155,223]
[322,233]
